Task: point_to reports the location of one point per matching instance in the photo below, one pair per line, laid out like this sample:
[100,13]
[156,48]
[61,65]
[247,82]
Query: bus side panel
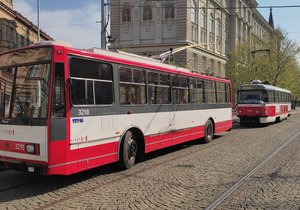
[62,160]
[155,142]
[223,126]
[97,155]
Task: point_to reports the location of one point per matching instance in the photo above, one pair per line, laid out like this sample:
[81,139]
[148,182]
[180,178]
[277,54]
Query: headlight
[30,148]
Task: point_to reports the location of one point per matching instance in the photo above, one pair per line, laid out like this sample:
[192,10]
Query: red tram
[262,103]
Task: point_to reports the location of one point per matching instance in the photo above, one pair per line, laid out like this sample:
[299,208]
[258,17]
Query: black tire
[128,150]
[208,131]
[277,120]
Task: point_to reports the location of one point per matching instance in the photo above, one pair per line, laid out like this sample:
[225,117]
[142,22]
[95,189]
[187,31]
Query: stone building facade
[213,27]
[15,29]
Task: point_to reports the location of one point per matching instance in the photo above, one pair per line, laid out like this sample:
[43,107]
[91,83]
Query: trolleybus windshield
[24,87]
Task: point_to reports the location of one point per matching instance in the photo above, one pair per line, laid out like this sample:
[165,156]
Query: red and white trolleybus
[262,103]
[65,110]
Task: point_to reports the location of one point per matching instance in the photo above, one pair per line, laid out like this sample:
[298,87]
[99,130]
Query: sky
[77,21]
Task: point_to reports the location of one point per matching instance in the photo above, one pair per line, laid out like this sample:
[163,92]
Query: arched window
[147,11]
[194,12]
[126,13]
[169,10]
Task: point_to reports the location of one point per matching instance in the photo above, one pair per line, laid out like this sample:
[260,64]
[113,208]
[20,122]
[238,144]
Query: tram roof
[262,87]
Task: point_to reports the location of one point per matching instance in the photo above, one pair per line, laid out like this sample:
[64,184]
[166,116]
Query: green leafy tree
[275,60]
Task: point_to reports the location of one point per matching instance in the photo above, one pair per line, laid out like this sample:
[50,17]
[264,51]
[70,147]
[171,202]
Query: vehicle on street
[262,103]
[65,110]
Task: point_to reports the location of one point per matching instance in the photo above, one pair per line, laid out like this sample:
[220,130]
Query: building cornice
[23,20]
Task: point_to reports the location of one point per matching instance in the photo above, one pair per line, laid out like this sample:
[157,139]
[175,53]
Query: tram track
[244,179]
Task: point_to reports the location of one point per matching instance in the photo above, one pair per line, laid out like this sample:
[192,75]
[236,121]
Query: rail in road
[232,189]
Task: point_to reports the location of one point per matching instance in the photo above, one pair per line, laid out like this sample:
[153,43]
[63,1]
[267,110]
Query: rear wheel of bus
[129,150]
[208,131]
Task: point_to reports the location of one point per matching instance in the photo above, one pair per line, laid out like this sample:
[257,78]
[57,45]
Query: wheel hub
[132,148]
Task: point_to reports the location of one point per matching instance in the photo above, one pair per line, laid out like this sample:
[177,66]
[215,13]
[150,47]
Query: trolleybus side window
[197,91]
[132,86]
[180,90]
[159,88]
[227,93]
[58,104]
[210,92]
[221,93]
[91,82]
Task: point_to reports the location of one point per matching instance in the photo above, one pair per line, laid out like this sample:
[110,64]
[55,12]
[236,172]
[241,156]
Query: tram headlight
[30,148]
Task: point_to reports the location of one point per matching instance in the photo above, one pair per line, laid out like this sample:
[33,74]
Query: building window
[203,19]
[218,34]
[126,13]
[194,20]
[169,10]
[211,23]
[194,12]
[147,11]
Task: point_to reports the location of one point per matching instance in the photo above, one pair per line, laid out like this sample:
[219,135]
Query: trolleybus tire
[128,150]
[208,131]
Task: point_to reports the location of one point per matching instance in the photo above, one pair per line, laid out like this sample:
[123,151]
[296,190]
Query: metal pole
[38,20]
[103,24]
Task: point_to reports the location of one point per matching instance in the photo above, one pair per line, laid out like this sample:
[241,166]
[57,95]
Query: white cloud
[77,26]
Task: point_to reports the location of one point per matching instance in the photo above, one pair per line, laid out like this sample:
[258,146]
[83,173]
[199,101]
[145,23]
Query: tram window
[264,96]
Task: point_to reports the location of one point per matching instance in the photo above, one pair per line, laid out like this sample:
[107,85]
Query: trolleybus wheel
[129,150]
[208,131]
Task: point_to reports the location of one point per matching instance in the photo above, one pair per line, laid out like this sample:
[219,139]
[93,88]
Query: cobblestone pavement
[188,176]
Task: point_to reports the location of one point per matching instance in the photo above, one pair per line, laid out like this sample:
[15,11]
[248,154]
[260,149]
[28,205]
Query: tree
[273,60]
